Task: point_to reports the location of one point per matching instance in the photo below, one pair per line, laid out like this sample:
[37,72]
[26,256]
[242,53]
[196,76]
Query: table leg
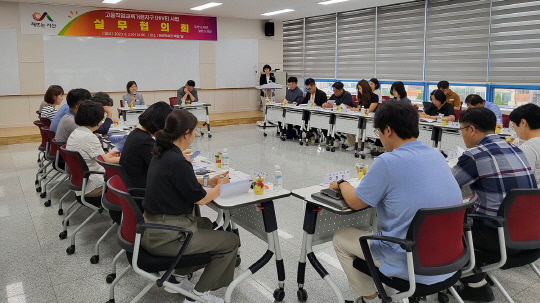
[270,226]
[265,119]
[208,122]
[364,135]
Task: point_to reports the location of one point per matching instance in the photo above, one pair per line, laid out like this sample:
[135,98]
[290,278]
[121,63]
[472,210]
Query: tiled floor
[34,266]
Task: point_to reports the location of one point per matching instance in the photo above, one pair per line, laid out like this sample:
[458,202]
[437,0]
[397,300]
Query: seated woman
[53,97]
[369,101]
[172,190]
[137,151]
[375,87]
[82,139]
[132,96]
[440,106]
[399,92]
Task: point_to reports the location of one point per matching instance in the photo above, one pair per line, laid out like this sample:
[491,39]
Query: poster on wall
[59,20]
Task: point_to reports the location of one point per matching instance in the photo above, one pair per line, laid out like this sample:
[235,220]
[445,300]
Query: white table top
[198,104]
[134,109]
[306,192]
[250,198]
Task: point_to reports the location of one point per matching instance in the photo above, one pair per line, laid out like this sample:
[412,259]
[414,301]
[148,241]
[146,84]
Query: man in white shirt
[526,122]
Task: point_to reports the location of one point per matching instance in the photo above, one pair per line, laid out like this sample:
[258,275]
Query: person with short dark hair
[137,151]
[340,95]
[375,87]
[451,97]
[53,97]
[491,167]
[67,124]
[315,95]
[474,100]
[397,196]
[105,100]
[132,96]
[266,77]
[77,94]
[399,92]
[439,106]
[526,122]
[186,92]
[88,118]
[172,190]
[294,94]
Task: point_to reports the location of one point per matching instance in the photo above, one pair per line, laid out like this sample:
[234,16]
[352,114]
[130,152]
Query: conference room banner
[89,22]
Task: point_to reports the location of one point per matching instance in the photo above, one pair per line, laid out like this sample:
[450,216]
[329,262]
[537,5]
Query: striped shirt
[48,112]
[492,168]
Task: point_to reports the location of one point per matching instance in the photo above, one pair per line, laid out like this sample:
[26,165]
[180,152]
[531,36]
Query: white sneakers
[205,295]
[182,282]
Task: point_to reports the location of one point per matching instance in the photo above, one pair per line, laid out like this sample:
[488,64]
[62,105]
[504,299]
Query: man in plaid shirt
[491,167]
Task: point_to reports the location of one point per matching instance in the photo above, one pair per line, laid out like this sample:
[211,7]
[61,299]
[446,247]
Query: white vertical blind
[293,48]
[356,44]
[515,42]
[320,52]
[400,42]
[457,40]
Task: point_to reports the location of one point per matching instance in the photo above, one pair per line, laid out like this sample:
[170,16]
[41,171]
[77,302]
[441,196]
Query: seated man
[185,92]
[315,95]
[451,97]
[294,94]
[526,122]
[491,167]
[473,101]
[388,186]
[340,95]
[107,102]
[67,125]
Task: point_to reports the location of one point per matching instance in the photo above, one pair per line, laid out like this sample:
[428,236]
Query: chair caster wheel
[442,297]
[265,134]
[332,149]
[94,259]
[60,212]
[327,148]
[38,189]
[238,261]
[209,136]
[363,156]
[67,223]
[302,295]
[344,146]
[47,203]
[282,138]
[70,250]
[356,155]
[43,195]
[110,278]
[279,294]
[301,143]
[63,235]
[36,182]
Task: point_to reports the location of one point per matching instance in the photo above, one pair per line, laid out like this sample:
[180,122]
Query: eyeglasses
[462,128]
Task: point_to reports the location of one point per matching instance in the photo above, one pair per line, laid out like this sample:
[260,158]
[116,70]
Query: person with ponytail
[172,190]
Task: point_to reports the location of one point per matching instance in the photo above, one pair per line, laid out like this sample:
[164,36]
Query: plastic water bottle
[225,159]
[439,118]
[279,178]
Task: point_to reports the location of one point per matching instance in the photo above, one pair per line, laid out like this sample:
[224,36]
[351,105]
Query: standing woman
[172,190]
[132,95]
[265,79]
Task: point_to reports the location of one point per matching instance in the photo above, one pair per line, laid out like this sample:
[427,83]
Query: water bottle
[225,159]
[439,118]
[279,178]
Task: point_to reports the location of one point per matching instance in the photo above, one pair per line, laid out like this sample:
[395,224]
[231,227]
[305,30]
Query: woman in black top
[266,78]
[366,98]
[172,190]
[137,151]
[440,106]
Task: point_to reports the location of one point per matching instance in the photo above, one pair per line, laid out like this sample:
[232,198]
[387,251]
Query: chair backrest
[76,166]
[440,244]
[121,103]
[384,99]
[51,154]
[173,100]
[45,121]
[457,112]
[131,214]
[521,209]
[43,135]
[112,170]
[506,120]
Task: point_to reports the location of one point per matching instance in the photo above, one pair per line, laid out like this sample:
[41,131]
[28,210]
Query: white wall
[20,110]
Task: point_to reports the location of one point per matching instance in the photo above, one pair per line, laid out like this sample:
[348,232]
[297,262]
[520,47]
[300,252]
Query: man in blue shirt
[64,109]
[473,101]
[409,176]
[491,167]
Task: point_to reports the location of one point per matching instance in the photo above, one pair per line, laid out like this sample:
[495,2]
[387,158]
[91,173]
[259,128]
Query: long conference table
[330,123]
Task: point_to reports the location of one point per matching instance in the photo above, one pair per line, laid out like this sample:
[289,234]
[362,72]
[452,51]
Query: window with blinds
[356,45]
[457,40]
[320,51]
[400,42]
[293,47]
[515,42]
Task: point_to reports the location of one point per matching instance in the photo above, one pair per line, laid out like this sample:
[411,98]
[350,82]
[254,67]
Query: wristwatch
[340,181]
[205,180]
